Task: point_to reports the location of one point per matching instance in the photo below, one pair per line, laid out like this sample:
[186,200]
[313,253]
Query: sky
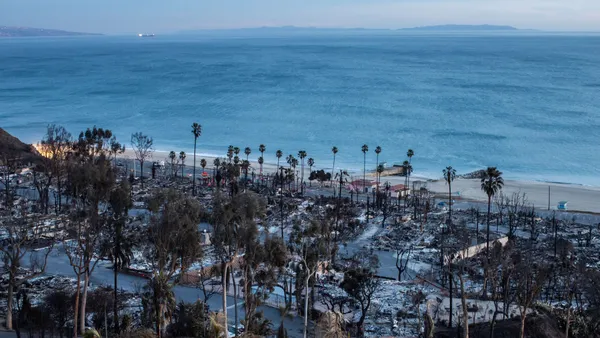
[165,16]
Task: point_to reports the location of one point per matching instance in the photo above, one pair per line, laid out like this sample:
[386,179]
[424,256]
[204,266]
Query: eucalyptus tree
[118,248]
[174,245]
[196,131]
[50,168]
[142,147]
[182,157]
[92,179]
[234,222]
[449,176]
[491,183]
[311,163]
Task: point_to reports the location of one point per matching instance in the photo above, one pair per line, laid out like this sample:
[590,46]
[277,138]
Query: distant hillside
[12,147]
[463,28]
[6,31]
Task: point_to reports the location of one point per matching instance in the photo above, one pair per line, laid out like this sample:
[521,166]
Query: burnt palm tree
[364,149]
[182,157]
[278,154]
[203,165]
[407,169]
[302,155]
[334,150]
[410,153]
[377,152]
[491,183]
[449,176]
[197,131]
[172,157]
[310,163]
[217,164]
[262,149]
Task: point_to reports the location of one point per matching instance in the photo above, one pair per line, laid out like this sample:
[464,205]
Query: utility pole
[548,198]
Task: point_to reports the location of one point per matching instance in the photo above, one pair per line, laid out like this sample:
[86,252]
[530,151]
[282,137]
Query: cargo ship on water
[146,35]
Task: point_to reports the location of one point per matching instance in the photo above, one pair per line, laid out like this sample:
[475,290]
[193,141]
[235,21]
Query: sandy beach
[580,198]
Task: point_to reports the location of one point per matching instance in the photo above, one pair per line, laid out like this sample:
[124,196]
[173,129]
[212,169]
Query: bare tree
[22,233]
[361,283]
[402,258]
[530,278]
[142,147]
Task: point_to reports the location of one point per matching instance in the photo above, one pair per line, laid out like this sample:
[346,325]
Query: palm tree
[261,149]
[217,164]
[364,149]
[310,162]
[203,165]
[172,157]
[449,176]
[334,150]
[491,183]
[230,153]
[407,169]
[182,157]
[377,152]
[160,299]
[197,131]
[410,153]
[260,162]
[278,154]
[302,155]
[247,151]
[236,151]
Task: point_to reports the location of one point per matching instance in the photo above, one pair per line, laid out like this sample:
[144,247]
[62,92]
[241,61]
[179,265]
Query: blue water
[527,104]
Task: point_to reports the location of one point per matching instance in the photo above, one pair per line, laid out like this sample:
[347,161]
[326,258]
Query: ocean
[528,104]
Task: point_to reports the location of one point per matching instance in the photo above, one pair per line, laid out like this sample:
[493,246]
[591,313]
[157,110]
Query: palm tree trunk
[194,175]
[235,300]
[364,171]
[450,202]
[332,171]
[487,245]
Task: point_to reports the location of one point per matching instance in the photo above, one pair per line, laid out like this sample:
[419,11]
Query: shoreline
[580,197]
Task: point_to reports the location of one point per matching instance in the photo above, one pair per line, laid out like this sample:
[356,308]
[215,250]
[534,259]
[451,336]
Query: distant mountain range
[6,31]
[463,28]
[294,29]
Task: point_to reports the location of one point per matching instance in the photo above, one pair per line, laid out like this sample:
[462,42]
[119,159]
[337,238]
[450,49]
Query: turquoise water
[527,104]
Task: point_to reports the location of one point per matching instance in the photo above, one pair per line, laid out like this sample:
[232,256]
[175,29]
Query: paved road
[58,264]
